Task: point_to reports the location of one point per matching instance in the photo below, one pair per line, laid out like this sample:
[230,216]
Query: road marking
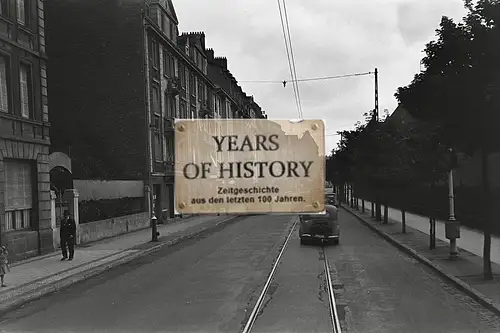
[253,315]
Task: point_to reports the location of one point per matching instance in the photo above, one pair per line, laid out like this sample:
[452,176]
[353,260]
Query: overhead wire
[312,79]
[293,58]
[289,60]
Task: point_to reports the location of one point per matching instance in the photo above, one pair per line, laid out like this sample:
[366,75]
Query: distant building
[234,102]
[122,73]
[25,226]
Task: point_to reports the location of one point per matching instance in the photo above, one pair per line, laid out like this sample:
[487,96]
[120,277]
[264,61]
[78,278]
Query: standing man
[68,236]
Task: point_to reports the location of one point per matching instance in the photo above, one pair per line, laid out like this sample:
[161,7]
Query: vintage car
[320,226]
[331,199]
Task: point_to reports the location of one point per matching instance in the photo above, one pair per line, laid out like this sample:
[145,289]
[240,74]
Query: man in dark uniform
[68,236]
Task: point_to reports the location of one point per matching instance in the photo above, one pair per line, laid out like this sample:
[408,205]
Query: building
[131,74]
[25,224]
[234,102]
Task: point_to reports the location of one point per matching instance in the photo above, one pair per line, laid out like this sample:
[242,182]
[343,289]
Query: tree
[458,91]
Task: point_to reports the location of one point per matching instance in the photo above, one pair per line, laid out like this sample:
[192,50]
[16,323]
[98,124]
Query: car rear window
[317,216]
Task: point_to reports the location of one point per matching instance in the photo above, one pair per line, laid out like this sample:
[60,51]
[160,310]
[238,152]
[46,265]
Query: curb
[78,277]
[476,295]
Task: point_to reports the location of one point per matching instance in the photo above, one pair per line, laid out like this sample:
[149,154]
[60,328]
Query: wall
[94,231]
[98,118]
[102,189]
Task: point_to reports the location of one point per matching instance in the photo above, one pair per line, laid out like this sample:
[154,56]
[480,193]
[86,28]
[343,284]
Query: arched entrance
[61,179]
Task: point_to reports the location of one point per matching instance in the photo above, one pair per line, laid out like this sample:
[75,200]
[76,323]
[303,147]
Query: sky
[329,38]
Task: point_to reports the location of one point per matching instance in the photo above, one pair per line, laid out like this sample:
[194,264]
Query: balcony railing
[168,125]
[174,86]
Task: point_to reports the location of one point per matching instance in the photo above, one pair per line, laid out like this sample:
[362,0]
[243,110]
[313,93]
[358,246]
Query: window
[155,109]
[200,91]
[155,54]
[158,151]
[25,89]
[4,8]
[18,194]
[192,85]
[171,67]
[155,100]
[169,107]
[163,22]
[183,110]
[172,31]
[166,64]
[183,75]
[4,89]
[173,108]
[169,147]
[22,9]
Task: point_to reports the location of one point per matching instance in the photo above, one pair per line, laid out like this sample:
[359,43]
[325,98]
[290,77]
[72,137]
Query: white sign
[249,166]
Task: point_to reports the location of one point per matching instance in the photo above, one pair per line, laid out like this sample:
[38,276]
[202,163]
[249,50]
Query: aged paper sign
[249,166]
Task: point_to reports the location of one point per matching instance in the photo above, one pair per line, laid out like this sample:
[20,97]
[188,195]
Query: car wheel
[303,241]
[336,241]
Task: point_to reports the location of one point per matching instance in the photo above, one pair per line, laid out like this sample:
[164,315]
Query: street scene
[216,283]
[183,166]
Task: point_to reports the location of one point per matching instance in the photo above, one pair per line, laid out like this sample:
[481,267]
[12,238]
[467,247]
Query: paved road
[378,288]
[202,285]
[208,285]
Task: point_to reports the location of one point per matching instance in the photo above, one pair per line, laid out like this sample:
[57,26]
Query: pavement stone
[33,278]
[465,271]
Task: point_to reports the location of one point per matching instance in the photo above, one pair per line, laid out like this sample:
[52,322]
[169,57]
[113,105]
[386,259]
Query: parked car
[323,226]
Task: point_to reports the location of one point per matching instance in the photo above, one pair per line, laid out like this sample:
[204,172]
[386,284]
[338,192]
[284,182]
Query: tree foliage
[460,91]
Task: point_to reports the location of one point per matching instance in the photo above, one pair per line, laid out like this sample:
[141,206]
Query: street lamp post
[452,226]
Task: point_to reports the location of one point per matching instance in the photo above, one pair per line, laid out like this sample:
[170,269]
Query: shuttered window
[18,194]
[24,82]
[4,91]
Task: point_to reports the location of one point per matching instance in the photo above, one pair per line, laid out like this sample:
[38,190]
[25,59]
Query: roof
[171,10]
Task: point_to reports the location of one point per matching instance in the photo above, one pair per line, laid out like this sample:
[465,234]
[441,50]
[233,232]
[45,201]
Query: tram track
[261,300]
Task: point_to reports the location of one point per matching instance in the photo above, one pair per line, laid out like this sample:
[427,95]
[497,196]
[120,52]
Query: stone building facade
[25,226]
[135,74]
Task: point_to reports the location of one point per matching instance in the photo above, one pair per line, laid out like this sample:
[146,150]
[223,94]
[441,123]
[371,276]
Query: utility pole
[378,208]
[376,95]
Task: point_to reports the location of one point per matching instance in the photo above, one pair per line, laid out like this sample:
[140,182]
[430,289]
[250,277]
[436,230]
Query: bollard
[373,209]
[386,214]
[403,221]
[432,233]
[362,205]
[154,232]
[452,232]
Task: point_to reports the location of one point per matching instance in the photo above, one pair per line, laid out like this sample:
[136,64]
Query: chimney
[210,54]
[222,61]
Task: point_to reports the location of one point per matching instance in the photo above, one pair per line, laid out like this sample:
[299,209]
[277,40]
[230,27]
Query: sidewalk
[36,277]
[465,272]
[470,239]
